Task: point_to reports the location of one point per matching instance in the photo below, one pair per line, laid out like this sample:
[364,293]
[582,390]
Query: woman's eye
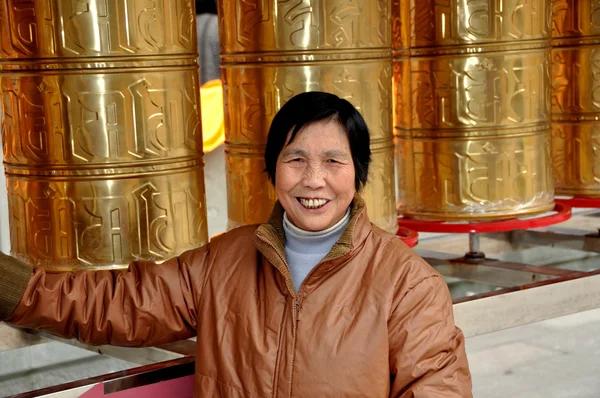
[332,161]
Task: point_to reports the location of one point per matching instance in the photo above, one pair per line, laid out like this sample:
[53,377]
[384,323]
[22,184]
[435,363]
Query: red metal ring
[563,213]
[408,236]
[580,202]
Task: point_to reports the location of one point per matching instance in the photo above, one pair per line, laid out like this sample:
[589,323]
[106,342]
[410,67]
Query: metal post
[474,252]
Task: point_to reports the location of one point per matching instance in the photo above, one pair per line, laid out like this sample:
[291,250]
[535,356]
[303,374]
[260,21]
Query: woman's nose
[314,178]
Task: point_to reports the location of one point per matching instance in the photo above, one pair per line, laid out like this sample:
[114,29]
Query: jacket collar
[270,237]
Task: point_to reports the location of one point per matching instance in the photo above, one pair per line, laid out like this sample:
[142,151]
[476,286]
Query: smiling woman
[315,176]
[318,302]
[318,157]
[314,107]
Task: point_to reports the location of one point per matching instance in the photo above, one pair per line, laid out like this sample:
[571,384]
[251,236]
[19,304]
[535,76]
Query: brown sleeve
[427,350]
[145,305]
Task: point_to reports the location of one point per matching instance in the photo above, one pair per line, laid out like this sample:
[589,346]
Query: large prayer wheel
[472,108]
[101,131]
[272,50]
[576,97]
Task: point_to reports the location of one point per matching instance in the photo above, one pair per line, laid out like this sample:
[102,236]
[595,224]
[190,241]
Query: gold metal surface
[575,22]
[461,26]
[576,97]
[486,177]
[86,119]
[472,109]
[103,155]
[576,158]
[83,29]
[274,50]
[98,222]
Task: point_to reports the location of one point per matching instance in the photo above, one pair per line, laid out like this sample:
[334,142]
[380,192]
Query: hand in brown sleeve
[145,305]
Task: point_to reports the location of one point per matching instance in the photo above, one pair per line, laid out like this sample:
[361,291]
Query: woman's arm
[145,305]
[427,350]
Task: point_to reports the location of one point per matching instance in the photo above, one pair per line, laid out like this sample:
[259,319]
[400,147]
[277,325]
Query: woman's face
[314,176]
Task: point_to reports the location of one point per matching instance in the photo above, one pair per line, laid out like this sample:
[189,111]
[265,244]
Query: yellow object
[213,130]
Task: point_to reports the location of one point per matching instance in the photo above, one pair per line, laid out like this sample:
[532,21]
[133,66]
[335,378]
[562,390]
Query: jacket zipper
[298,307]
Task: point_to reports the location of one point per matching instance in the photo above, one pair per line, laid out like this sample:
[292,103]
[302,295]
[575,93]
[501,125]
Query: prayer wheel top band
[282,26]
[428,23]
[73,29]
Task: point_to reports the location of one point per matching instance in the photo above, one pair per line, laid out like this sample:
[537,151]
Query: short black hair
[311,107]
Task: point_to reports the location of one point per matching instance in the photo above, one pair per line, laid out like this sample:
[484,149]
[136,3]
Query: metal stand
[518,293]
[570,239]
[474,253]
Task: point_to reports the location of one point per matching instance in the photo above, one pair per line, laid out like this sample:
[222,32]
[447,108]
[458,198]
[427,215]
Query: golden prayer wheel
[576,97]
[101,132]
[472,108]
[271,51]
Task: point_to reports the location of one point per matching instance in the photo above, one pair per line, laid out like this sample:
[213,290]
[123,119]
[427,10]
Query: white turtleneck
[304,249]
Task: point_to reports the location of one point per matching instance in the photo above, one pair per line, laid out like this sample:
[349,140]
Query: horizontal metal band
[577,191]
[473,48]
[382,144]
[117,170]
[242,149]
[575,41]
[470,133]
[231,59]
[575,117]
[93,64]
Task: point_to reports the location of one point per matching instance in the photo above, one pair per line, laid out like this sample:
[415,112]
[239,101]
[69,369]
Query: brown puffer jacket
[372,319]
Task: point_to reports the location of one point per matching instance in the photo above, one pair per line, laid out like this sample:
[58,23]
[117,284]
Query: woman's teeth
[313,203]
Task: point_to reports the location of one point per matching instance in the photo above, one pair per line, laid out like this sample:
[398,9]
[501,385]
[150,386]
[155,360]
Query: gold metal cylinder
[576,97]
[101,132]
[472,108]
[62,29]
[273,50]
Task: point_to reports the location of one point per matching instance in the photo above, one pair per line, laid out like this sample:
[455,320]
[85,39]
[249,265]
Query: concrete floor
[554,358]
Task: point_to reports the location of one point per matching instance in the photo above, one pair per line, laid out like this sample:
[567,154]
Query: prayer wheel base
[479,216]
[588,193]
